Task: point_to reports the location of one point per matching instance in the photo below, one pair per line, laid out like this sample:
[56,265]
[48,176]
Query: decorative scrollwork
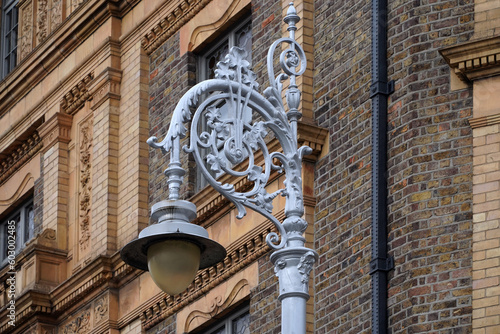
[223,134]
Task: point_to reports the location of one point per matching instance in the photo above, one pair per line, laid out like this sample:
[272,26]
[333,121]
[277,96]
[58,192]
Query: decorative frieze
[42,23]
[216,307]
[81,324]
[101,307]
[18,155]
[38,19]
[185,11]
[56,14]
[85,194]
[76,97]
[26,31]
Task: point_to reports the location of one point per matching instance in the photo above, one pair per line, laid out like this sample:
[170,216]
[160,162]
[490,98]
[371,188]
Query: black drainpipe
[380,89]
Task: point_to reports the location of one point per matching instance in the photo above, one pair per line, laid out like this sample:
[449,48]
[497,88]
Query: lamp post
[220,140]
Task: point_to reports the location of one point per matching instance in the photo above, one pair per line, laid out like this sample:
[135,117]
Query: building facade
[84,84]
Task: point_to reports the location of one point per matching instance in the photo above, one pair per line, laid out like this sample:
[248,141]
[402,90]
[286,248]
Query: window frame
[23,235]
[6,31]
[227,322]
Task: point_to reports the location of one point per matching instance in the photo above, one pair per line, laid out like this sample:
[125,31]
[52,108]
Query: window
[238,323]
[23,223]
[9,37]
[241,36]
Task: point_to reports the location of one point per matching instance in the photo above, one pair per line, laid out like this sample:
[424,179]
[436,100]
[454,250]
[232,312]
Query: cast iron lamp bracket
[221,136]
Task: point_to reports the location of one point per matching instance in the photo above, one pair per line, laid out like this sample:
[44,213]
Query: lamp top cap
[291,17]
[173,210]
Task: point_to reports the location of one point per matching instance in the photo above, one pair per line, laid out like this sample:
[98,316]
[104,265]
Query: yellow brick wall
[486,239]
[486,18]
[133,213]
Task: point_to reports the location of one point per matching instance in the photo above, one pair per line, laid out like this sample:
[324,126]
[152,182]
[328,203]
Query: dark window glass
[236,323]
[9,37]
[23,219]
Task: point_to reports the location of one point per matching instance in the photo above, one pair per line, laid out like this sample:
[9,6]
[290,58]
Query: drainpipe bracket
[381,264]
[381,87]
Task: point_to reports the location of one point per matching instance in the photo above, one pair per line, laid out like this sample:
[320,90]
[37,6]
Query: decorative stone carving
[76,97]
[85,182]
[101,309]
[76,3]
[47,330]
[47,238]
[26,35]
[55,14]
[42,21]
[80,325]
[17,155]
[216,307]
[185,11]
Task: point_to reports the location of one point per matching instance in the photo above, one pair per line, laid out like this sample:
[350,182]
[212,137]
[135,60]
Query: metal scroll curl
[223,134]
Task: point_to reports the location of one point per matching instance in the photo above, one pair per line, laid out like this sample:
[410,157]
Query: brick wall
[38,201]
[430,165]
[167,326]
[486,247]
[171,75]
[265,309]
[342,227]
[486,18]
[430,171]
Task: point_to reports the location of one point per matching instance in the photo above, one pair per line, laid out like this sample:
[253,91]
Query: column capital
[56,129]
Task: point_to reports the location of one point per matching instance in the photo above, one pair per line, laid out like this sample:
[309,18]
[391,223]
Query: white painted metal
[235,85]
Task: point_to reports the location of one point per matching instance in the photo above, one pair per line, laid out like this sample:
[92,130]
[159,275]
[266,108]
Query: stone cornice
[176,18]
[20,152]
[75,98]
[474,60]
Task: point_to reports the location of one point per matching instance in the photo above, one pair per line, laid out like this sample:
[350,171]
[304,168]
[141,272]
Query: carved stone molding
[201,32]
[185,11]
[101,309]
[47,238]
[56,129]
[81,324]
[479,122]
[474,60]
[76,97]
[42,23]
[28,178]
[56,14]
[217,306]
[18,154]
[85,194]
[105,86]
[26,29]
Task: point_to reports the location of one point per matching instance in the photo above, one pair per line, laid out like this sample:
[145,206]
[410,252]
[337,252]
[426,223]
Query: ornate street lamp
[174,249]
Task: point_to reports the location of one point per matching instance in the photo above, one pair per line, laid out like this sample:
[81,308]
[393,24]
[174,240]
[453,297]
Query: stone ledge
[474,60]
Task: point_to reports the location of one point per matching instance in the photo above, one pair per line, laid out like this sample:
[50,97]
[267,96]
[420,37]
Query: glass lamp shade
[173,264]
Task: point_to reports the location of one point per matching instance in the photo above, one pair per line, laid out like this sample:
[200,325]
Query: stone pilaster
[105,103]
[55,134]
